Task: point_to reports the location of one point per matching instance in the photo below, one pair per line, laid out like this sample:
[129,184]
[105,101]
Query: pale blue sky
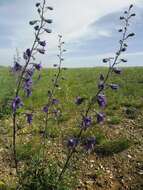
[88,26]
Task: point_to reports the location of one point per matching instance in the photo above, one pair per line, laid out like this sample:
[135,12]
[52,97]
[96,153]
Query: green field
[118,150]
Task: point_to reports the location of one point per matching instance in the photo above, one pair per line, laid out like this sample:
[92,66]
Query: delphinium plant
[51,109]
[99,98]
[25,68]
[41,172]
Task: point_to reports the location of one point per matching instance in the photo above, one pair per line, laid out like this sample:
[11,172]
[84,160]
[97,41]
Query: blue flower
[38,66]
[86,122]
[45,109]
[101,99]
[16,103]
[72,143]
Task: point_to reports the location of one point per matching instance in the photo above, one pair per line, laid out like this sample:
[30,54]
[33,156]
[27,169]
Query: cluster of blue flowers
[25,72]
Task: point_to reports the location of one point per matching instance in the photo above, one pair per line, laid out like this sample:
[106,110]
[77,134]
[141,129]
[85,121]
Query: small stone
[91,165]
[140,172]
[129,156]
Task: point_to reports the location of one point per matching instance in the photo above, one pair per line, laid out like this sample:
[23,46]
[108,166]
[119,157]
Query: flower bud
[33,22]
[48,30]
[37,4]
[50,8]
[49,21]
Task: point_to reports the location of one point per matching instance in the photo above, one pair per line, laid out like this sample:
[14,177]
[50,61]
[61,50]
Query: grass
[109,148]
[126,103]
[80,82]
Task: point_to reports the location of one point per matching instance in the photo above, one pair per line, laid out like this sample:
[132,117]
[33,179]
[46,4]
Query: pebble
[140,172]
[129,156]
[91,165]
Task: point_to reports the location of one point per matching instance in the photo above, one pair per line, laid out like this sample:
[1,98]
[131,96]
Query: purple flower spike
[45,109]
[38,66]
[86,122]
[16,103]
[29,118]
[90,143]
[100,118]
[72,143]
[101,99]
[79,100]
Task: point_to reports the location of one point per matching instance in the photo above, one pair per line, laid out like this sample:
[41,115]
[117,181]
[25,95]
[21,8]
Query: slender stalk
[89,107]
[19,87]
[53,92]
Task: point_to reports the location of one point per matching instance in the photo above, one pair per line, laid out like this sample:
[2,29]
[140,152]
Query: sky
[89,28]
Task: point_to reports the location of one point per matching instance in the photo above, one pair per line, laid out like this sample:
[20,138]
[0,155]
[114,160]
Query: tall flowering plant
[100,96]
[26,70]
[52,103]
[25,73]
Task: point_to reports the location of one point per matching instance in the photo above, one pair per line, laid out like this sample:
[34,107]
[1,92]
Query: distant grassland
[79,82]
